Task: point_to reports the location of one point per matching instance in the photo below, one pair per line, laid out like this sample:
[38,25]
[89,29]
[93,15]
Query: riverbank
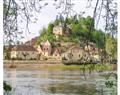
[32,61]
[59,66]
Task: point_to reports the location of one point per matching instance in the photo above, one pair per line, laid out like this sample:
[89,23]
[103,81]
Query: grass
[62,67]
[78,67]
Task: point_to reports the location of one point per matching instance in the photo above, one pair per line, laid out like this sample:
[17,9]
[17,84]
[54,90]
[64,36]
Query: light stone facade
[24,55]
[24,52]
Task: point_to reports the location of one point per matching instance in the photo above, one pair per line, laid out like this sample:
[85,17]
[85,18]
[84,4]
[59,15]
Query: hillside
[77,34]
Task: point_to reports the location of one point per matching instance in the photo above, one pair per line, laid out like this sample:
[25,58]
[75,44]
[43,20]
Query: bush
[6,87]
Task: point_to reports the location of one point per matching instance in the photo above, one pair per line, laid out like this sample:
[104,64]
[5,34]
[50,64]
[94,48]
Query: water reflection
[68,88]
[58,83]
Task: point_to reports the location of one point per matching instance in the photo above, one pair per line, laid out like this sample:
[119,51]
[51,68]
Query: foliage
[97,67]
[111,46]
[7,87]
[50,27]
[46,34]
[79,27]
[98,38]
[79,32]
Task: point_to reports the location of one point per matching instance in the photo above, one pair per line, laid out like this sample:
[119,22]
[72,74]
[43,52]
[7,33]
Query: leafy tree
[50,27]
[111,46]
[57,21]
[79,30]
[89,21]
[98,38]
[7,87]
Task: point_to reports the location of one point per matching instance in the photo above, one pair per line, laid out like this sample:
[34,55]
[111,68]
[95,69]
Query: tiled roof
[9,48]
[57,50]
[32,41]
[75,47]
[46,43]
[23,48]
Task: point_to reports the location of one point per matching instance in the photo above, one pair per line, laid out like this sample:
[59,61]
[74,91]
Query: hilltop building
[61,30]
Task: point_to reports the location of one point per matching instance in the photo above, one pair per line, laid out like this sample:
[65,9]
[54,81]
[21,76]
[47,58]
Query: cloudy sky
[48,14]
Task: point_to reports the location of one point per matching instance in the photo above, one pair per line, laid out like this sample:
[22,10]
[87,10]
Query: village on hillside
[60,47]
[46,50]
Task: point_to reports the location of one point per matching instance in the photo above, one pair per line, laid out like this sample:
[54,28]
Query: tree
[15,12]
[50,27]
[7,87]
[26,10]
[111,47]
[97,36]
[9,23]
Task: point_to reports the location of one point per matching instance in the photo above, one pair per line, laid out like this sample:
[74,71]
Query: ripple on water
[57,83]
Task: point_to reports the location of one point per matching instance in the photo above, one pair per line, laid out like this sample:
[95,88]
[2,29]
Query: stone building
[45,48]
[57,53]
[61,30]
[24,52]
[74,53]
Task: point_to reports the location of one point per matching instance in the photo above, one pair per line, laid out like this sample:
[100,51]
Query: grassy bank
[80,67]
[61,67]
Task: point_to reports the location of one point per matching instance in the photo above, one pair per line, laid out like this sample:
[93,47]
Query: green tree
[111,47]
[50,27]
[7,87]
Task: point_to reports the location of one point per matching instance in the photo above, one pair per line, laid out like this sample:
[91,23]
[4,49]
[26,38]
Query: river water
[59,82]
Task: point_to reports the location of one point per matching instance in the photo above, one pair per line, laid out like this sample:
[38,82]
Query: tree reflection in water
[67,89]
[63,82]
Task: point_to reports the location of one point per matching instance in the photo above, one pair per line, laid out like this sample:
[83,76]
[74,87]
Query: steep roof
[8,48]
[46,43]
[23,48]
[74,46]
[56,50]
[32,41]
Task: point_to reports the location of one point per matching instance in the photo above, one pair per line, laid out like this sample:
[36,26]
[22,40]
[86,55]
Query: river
[59,82]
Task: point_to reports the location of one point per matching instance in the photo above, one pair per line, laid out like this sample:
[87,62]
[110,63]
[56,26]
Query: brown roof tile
[9,48]
[32,41]
[23,48]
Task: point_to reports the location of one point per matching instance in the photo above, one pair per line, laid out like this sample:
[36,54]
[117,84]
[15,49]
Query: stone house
[58,30]
[7,51]
[45,48]
[32,42]
[61,30]
[94,52]
[74,53]
[91,48]
[57,53]
[24,52]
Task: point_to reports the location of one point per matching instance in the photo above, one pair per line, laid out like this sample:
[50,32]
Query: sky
[48,14]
